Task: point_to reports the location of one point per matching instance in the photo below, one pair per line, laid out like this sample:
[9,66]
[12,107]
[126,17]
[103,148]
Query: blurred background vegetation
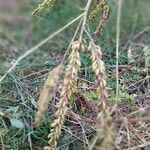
[20,90]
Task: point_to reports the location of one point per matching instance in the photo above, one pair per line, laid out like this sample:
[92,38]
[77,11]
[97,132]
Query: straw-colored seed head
[99,70]
[56,126]
[68,88]
[47,94]
[104,7]
[102,22]
[78,45]
[46,3]
[98,8]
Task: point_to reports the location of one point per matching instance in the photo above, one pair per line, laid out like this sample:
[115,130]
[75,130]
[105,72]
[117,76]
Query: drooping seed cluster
[97,10]
[57,126]
[101,6]
[105,128]
[69,86]
[47,94]
[104,19]
[99,70]
[42,6]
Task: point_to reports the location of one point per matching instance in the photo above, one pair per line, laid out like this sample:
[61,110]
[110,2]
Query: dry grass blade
[47,93]
[117,46]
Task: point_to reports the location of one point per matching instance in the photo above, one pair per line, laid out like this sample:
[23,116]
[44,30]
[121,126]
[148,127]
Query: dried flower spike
[106,11]
[101,6]
[69,86]
[46,3]
[47,94]
[98,8]
[99,69]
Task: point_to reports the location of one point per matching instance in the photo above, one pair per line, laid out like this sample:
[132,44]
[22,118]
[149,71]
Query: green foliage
[124,99]
[21,88]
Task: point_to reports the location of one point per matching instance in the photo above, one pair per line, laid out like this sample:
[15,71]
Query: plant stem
[117,47]
[85,17]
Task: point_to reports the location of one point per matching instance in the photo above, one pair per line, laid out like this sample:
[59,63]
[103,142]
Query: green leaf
[16,123]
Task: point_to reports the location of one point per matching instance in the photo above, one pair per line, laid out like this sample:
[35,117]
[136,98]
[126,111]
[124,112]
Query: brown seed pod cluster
[101,6]
[69,86]
[99,70]
[42,6]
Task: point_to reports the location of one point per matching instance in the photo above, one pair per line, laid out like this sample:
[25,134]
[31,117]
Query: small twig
[136,134]
[73,135]
[129,67]
[139,119]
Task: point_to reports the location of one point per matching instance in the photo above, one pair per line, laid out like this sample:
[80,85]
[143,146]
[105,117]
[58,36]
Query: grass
[20,90]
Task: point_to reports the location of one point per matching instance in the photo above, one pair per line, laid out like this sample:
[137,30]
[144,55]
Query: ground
[19,91]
